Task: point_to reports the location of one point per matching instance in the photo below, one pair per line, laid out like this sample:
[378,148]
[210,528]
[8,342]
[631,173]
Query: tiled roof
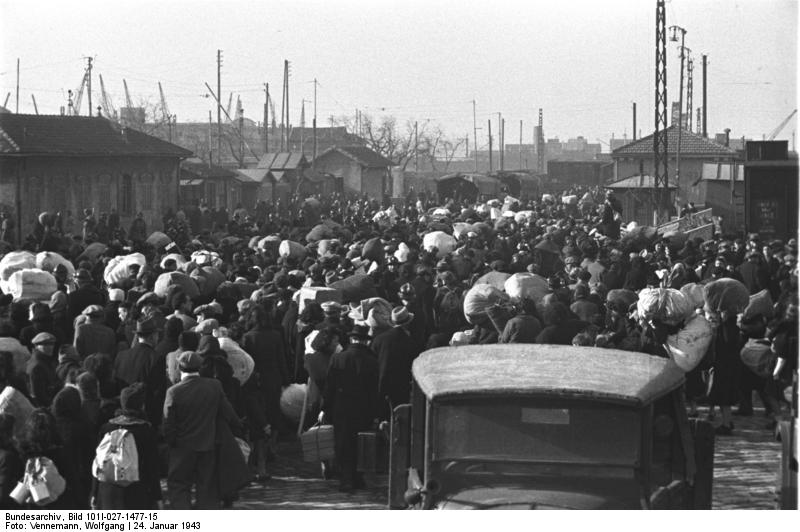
[636,181]
[198,169]
[282,161]
[363,155]
[691,144]
[78,135]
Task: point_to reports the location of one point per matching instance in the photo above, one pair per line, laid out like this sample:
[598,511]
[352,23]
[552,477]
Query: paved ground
[745,473]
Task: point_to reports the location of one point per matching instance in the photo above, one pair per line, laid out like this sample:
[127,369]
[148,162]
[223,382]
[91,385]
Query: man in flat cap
[42,378]
[141,364]
[94,336]
[192,409]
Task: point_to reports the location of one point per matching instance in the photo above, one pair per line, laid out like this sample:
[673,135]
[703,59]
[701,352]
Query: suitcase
[318,443]
[373,452]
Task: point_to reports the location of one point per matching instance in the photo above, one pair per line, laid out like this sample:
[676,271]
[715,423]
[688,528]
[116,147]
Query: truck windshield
[536,431]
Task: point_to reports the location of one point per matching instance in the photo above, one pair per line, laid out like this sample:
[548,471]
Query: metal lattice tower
[660,153]
[540,144]
[689,90]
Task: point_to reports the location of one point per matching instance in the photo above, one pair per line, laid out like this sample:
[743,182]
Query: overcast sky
[584,62]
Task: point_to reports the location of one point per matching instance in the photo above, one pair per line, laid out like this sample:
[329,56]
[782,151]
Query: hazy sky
[583,62]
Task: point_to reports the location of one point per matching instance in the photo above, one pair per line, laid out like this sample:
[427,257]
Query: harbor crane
[108,106]
[777,130]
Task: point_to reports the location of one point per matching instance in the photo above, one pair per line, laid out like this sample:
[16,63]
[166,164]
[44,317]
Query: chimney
[727,137]
[99,113]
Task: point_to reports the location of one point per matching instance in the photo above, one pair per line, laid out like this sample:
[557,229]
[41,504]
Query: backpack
[117,460]
[42,480]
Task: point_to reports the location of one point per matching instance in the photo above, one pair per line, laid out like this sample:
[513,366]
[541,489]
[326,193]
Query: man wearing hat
[754,272]
[141,364]
[43,381]
[86,294]
[396,349]
[94,336]
[350,401]
[192,409]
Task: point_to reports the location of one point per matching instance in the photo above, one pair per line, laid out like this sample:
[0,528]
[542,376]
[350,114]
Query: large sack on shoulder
[207,258]
[20,353]
[49,261]
[479,298]
[666,305]
[270,242]
[32,284]
[158,240]
[14,262]
[760,305]
[523,217]
[207,279]
[179,259]
[689,345]
[293,250]
[623,297]
[117,269]
[726,295]
[461,228]
[757,356]
[14,402]
[694,293]
[325,247]
[318,232]
[496,279]
[356,288]
[402,252]
[240,361]
[440,240]
[292,399]
[166,280]
[373,250]
[92,252]
[569,200]
[526,286]
[318,294]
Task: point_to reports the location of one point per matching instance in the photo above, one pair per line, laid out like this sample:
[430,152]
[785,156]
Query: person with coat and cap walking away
[142,364]
[395,350]
[93,336]
[86,294]
[192,410]
[350,401]
[43,383]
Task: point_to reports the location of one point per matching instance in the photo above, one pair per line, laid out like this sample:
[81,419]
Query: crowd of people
[104,358]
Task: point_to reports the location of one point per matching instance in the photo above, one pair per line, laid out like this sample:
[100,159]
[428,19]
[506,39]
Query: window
[126,196]
[84,191]
[147,192]
[35,195]
[211,194]
[104,192]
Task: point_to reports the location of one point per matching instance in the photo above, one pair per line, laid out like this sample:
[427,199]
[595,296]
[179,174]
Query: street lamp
[674,38]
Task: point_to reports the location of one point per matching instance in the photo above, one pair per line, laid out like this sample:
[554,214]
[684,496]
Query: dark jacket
[191,411]
[395,351]
[141,495]
[142,364]
[11,472]
[93,338]
[521,329]
[43,382]
[562,333]
[82,298]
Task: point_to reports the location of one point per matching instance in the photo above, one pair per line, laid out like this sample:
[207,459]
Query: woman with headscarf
[77,438]
[146,493]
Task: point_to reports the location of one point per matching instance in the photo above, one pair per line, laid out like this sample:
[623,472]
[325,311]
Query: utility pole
[499,138]
[502,144]
[314,122]
[540,144]
[35,108]
[634,120]
[89,82]
[286,88]
[241,137]
[490,146]
[416,148]
[266,117]
[475,134]
[17,86]
[210,152]
[674,38]
[520,145]
[689,92]
[699,124]
[219,107]
[660,148]
[705,102]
